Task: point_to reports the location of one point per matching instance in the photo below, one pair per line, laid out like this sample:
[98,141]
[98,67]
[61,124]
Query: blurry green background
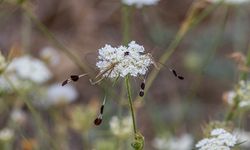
[170,108]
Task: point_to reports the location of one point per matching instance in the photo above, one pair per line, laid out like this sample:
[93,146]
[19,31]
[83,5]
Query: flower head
[241,94]
[140,3]
[6,134]
[122,61]
[29,68]
[219,139]
[56,95]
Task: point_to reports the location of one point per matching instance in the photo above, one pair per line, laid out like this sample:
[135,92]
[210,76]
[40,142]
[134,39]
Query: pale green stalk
[178,38]
[130,103]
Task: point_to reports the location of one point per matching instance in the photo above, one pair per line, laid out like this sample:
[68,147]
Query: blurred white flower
[244,138]
[27,67]
[242,94]
[50,55]
[6,87]
[18,116]
[56,95]
[230,1]
[140,3]
[219,139]
[183,142]
[6,134]
[121,127]
[2,62]
[125,60]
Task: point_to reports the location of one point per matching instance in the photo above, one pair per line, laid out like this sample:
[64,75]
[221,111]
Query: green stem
[58,44]
[231,113]
[126,24]
[131,103]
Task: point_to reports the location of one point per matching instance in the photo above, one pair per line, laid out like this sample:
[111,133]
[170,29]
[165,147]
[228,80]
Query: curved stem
[131,103]
[70,54]
[193,18]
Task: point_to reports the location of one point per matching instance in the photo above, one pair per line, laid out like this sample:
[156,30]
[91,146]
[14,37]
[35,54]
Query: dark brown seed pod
[141,94]
[143,85]
[98,121]
[65,82]
[74,77]
[181,77]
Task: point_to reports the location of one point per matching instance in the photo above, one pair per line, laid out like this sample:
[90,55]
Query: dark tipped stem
[65,82]
[102,108]
[141,94]
[98,121]
[74,77]
[143,85]
[180,77]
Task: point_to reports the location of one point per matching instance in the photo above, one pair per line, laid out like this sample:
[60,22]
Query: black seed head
[143,85]
[181,77]
[98,121]
[65,82]
[126,53]
[141,94]
[102,108]
[174,72]
[74,77]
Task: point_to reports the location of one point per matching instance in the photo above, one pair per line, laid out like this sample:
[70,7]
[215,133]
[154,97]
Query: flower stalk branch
[131,103]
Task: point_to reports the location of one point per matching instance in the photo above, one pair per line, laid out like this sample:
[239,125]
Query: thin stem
[58,44]
[233,109]
[131,103]
[190,22]
[126,24]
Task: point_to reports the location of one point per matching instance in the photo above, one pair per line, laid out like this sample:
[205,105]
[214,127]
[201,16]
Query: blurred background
[44,42]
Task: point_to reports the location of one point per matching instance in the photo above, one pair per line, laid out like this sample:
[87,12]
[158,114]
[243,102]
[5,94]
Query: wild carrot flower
[244,137]
[6,134]
[140,3]
[29,68]
[240,94]
[122,61]
[219,139]
[56,95]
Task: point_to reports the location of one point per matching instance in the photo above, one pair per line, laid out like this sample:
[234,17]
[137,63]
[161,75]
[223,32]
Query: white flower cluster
[183,142]
[129,60]
[27,67]
[232,2]
[242,93]
[21,71]
[6,134]
[2,62]
[220,140]
[140,3]
[244,138]
[56,95]
[121,128]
